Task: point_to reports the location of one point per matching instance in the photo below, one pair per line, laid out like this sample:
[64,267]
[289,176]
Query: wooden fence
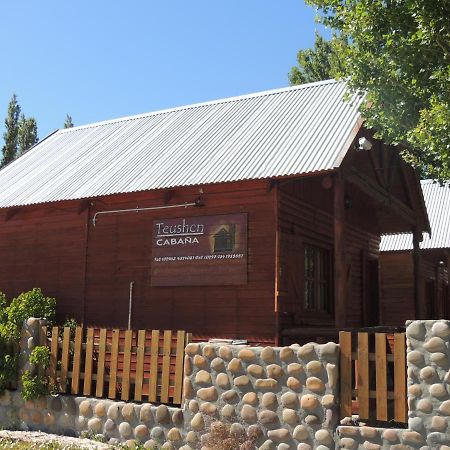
[373,376]
[137,365]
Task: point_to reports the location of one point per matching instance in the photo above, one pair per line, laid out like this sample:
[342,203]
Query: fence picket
[113,367]
[53,354]
[99,386]
[345,341]
[65,359]
[363,375]
[381,376]
[125,395]
[179,358]
[139,380]
[77,350]
[154,353]
[87,385]
[166,366]
[400,409]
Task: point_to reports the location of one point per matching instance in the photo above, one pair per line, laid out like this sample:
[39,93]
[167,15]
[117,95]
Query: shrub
[40,356]
[33,386]
[28,304]
[220,438]
[31,304]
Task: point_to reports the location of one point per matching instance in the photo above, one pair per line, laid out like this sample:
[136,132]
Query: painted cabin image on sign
[200,251]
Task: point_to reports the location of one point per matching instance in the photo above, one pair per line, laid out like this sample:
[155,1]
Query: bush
[220,437]
[31,304]
[28,304]
[40,356]
[33,387]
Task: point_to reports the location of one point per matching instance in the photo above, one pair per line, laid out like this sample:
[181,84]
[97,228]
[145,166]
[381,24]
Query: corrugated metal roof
[437,201]
[288,131]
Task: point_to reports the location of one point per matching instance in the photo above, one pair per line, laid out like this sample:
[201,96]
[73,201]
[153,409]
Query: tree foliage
[68,121]
[398,54]
[27,135]
[12,316]
[322,62]
[20,133]
[11,133]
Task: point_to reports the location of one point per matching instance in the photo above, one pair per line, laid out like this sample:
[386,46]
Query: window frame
[319,281]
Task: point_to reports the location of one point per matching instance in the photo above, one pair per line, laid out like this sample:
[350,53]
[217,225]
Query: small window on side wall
[317,279]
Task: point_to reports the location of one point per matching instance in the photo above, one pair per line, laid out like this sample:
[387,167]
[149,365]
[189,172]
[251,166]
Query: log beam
[340,273]
[418,304]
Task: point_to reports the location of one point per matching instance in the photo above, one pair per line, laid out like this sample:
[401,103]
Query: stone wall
[285,396]
[254,398]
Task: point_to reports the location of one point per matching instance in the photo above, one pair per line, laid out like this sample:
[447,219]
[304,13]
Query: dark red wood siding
[44,246]
[306,217]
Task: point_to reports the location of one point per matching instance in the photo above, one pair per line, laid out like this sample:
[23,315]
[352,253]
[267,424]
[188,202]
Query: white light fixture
[364,144]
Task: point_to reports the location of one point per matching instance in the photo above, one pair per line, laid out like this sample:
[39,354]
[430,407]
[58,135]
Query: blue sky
[98,60]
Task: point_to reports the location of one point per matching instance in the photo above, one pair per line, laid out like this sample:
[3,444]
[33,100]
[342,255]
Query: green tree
[11,132]
[319,63]
[399,56]
[27,135]
[68,122]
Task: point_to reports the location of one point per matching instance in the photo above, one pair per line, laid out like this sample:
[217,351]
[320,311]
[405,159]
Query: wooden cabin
[424,292]
[257,217]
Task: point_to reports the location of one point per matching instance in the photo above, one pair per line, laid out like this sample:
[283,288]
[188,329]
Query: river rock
[217,364]
[274,371]
[269,400]
[202,377]
[435,344]
[309,402]
[300,433]
[248,414]
[255,370]
[267,416]
[295,369]
[222,380]
[235,365]
[246,354]
[192,349]
[207,394]
[268,354]
[250,398]
[441,329]
[289,400]
[225,352]
[209,351]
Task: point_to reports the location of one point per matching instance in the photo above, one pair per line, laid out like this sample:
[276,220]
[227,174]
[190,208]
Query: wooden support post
[340,273]
[274,188]
[446,312]
[417,238]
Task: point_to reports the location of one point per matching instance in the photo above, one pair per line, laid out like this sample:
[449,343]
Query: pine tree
[11,132]
[68,122]
[27,135]
[322,62]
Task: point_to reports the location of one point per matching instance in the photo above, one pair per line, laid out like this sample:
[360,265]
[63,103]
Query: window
[317,279]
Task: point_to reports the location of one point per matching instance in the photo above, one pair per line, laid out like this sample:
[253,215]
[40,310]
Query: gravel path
[37,437]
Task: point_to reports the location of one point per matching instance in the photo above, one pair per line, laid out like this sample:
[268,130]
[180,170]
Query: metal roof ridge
[201,104]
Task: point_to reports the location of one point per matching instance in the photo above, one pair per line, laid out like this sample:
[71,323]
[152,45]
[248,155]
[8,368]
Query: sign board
[200,251]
